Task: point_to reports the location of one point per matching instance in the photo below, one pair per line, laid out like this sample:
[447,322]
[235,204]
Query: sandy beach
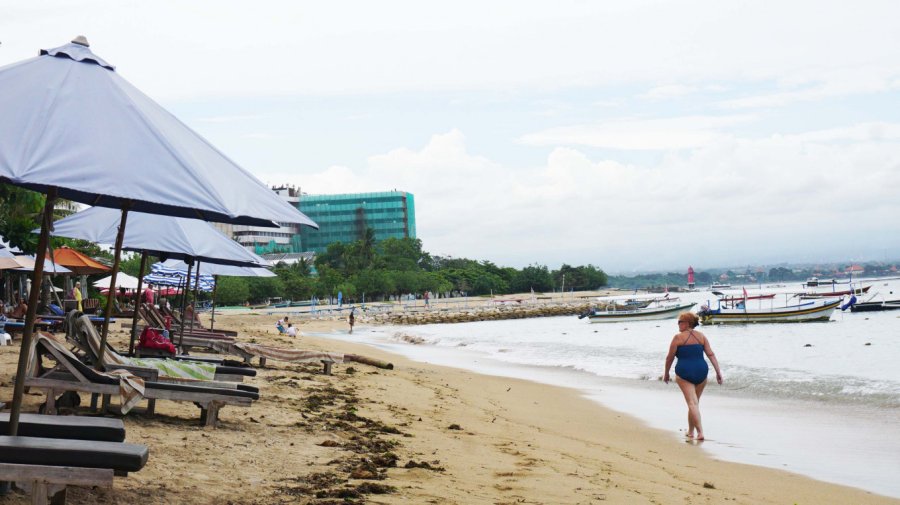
[418,434]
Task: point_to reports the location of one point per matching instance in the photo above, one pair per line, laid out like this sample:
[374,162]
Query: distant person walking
[691,371]
[427,296]
[351,319]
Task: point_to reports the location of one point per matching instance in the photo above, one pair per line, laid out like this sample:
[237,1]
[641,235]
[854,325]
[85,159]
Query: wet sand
[418,434]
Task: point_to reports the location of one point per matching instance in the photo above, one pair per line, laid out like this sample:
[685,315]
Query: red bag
[152,339]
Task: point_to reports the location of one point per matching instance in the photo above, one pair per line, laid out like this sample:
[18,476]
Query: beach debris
[808,345]
[454,427]
[868,343]
[377,363]
[424,464]
[385,460]
[328,443]
[708,485]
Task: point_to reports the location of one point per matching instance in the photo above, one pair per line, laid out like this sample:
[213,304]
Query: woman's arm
[712,359]
[669,359]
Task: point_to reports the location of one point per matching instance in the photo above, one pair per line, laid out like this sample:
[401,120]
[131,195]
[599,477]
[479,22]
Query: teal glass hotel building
[344,218]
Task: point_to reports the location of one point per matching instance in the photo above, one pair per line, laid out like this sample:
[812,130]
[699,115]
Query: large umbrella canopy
[212,269]
[77,262]
[49,266]
[123,280]
[9,261]
[71,122]
[162,275]
[157,235]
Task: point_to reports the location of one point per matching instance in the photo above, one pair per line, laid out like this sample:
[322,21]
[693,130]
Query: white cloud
[641,134]
[732,201]
[201,49]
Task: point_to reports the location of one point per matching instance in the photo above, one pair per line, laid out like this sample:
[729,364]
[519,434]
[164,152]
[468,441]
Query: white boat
[813,310]
[614,313]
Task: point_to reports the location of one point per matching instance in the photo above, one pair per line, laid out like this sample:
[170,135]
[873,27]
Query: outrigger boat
[813,310]
[875,306]
[614,313]
[738,298]
[832,294]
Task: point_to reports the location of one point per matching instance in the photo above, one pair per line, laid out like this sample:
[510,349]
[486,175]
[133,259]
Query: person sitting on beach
[291,331]
[282,325]
[689,345]
[19,311]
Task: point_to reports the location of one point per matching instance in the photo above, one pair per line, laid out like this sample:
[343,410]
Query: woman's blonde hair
[690,318]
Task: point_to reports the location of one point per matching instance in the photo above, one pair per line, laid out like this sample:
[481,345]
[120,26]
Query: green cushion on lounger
[69,427]
[119,456]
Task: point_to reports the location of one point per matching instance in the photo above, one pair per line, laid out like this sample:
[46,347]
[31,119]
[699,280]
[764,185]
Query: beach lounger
[70,374]
[49,465]
[52,452]
[200,339]
[69,427]
[82,334]
[249,351]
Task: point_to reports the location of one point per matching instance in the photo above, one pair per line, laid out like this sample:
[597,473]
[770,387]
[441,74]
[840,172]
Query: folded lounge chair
[70,374]
[52,452]
[84,335]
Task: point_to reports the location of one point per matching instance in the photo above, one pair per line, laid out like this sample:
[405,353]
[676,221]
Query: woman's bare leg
[689,390]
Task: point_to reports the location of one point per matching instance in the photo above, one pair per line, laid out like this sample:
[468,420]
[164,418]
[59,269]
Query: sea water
[819,399]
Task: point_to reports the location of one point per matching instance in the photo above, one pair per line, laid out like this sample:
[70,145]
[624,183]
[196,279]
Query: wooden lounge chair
[82,334]
[103,429]
[199,339]
[52,452]
[70,374]
[194,319]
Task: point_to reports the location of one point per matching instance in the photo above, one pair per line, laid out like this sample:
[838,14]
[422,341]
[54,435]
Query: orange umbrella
[77,262]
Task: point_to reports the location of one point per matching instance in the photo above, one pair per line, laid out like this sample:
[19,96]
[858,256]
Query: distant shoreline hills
[750,275]
[822,267]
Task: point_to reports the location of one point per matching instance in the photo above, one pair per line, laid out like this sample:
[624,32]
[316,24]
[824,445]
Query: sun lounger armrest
[148,374]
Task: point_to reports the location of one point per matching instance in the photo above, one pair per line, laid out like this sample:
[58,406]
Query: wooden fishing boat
[613,313]
[875,306]
[737,298]
[833,294]
[739,313]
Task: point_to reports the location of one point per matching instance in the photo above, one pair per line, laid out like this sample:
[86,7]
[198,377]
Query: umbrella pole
[137,303]
[110,300]
[184,294]
[27,332]
[194,301]
[212,317]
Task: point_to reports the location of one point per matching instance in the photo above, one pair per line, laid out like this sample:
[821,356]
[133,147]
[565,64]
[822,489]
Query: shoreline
[639,437]
[455,437]
[741,424]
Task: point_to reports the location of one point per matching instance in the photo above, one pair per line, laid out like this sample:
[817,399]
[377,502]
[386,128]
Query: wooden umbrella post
[194,301]
[110,299]
[137,303]
[212,316]
[28,331]
[185,291]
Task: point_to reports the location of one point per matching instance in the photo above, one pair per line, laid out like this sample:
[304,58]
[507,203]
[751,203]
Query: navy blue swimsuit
[690,365]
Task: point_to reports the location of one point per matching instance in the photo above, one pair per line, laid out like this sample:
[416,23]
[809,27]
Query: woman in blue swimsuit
[689,345]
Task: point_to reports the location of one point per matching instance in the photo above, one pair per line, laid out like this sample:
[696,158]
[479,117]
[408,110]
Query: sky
[634,135]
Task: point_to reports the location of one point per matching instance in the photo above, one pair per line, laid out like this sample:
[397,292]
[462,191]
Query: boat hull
[813,311]
[875,306]
[653,314]
[832,294]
